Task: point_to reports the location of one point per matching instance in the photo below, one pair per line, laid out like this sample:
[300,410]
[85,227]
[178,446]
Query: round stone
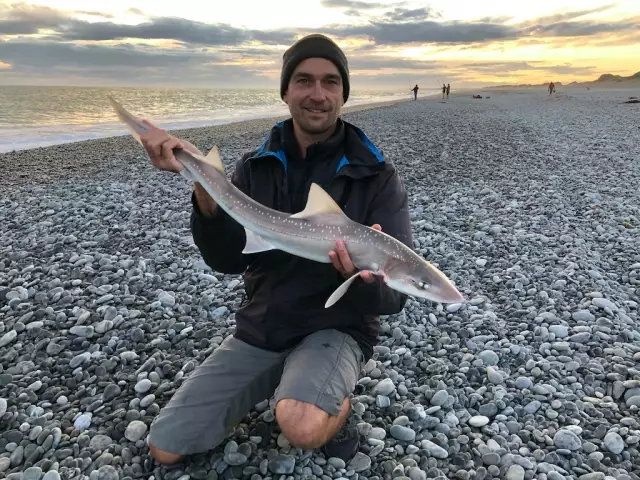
[614,442]
[135,430]
[478,421]
[402,433]
[143,385]
[515,472]
[489,357]
[567,440]
[440,398]
[359,463]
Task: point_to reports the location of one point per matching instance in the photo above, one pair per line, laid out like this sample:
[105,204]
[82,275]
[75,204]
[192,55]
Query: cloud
[416,26]
[497,66]
[93,14]
[47,54]
[399,26]
[123,64]
[502,67]
[374,62]
[179,29]
[569,69]
[136,11]
[562,17]
[404,14]
[498,19]
[427,32]
[581,29]
[633,39]
[250,52]
[22,19]
[352,4]
[43,42]
[164,28]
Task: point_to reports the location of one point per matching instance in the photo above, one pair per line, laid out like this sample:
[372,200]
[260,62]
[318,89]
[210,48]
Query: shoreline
[74,138]
[201,124]
[84,158]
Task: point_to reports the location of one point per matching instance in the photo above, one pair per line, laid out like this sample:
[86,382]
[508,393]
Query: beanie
[315,45]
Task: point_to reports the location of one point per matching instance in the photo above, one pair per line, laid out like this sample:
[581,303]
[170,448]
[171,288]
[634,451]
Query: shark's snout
[423,281]
[450,294]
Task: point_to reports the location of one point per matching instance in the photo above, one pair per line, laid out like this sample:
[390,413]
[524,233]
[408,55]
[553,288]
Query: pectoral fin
[255,243]
[340,291]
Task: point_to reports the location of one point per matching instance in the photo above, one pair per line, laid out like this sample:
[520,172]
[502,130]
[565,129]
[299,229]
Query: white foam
[15,138]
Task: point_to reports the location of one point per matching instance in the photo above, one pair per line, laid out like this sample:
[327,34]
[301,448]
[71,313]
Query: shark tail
[136,127]
[133,123]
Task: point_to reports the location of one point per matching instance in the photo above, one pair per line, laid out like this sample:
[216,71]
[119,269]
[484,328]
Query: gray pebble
[478,421]
[135,430]
[614,442]
[359,463]
[402,433]
[567,439]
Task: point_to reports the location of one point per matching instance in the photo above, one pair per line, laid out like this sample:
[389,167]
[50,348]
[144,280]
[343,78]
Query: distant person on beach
[444,90]
[552,88]
[448,89]
[415,92]
[286,344]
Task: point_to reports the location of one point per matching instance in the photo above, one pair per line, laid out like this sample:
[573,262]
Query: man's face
[314,95]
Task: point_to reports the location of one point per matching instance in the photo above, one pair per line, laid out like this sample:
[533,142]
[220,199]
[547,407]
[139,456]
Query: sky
[389,44]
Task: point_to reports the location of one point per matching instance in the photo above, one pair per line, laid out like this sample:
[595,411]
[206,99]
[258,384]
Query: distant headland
[606,79]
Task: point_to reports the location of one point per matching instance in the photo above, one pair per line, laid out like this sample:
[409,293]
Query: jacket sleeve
[389,209]
[221,239]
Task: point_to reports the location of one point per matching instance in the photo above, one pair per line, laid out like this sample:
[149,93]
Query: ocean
[32,116]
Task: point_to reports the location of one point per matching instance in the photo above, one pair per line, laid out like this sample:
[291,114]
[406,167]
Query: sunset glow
[388,44]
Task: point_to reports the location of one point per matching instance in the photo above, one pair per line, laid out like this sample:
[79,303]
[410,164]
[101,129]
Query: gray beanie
[314,45]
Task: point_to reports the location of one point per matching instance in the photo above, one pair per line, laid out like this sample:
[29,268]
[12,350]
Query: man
[448,89]
[286,343]
[415,92]
[444,90]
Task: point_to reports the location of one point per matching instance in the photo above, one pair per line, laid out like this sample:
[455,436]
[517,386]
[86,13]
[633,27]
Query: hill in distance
[605,79]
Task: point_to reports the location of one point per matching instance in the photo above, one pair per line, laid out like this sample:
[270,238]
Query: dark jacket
[286,293]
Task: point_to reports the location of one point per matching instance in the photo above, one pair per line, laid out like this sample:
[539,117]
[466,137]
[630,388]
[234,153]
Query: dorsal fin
[213,158]
[318,202]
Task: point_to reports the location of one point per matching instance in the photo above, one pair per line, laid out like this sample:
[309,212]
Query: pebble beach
[528,202]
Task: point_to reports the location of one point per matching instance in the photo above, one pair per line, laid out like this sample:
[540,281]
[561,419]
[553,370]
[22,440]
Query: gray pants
[322,370]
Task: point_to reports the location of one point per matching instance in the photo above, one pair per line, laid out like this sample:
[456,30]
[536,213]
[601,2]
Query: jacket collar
[329,147]
[360,156]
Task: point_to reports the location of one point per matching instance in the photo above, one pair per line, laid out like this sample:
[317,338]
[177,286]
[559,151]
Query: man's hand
[342,262]
[159,146]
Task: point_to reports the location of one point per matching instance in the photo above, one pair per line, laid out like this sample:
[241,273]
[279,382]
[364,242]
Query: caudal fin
[134,124]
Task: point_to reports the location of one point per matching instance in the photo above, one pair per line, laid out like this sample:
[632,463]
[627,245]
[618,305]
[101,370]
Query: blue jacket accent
[359,150]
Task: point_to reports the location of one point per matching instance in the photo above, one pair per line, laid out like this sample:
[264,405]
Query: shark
[313,232]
